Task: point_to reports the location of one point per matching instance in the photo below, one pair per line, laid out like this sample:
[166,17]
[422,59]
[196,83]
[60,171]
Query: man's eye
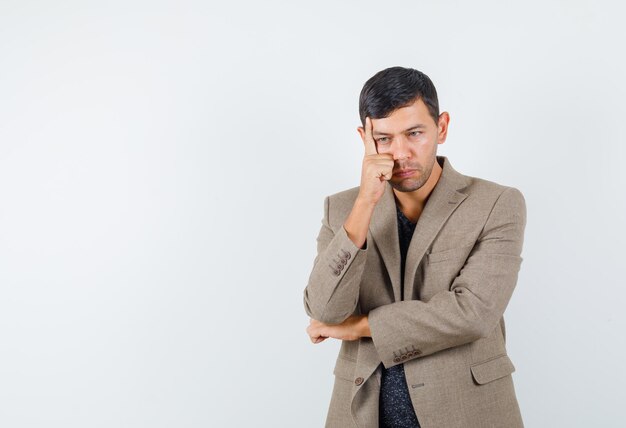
[414,133]
[382,140]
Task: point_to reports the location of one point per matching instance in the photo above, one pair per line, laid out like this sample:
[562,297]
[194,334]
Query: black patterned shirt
[395,406]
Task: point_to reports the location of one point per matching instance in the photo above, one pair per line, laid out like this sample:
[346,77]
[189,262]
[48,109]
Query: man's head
[403,106]
[396,87]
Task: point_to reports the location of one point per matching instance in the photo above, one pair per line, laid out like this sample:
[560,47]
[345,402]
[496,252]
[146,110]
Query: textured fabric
[396,409]
[444,324]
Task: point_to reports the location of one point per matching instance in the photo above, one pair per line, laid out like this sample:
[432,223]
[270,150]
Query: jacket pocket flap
[451,253]
[492,369]
[344,368]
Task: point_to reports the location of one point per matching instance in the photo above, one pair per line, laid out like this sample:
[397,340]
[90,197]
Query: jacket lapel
[384,232]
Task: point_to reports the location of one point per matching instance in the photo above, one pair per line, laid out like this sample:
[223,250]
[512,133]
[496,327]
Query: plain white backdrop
[163,166]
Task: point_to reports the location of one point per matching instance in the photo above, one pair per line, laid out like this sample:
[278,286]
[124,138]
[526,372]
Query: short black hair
[396,87]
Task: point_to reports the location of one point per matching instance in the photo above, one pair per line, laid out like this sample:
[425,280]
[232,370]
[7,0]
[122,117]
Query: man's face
[411,135]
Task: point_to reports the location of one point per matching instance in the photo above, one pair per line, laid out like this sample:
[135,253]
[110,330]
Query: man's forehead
[414,116]
[414,126]
[391,127]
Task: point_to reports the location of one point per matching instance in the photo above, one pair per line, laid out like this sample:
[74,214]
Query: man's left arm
[475,302]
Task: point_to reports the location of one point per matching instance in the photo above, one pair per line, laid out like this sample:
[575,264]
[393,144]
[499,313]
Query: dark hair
[396,87]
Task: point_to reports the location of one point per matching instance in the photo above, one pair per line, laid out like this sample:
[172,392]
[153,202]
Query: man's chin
[406,185]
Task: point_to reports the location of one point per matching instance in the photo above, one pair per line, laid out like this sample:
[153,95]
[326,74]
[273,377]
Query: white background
[163,166]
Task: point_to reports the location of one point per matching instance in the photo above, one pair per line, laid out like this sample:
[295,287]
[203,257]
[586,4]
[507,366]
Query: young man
[414,270]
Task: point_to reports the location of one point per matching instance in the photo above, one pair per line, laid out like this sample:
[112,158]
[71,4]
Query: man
[414,270]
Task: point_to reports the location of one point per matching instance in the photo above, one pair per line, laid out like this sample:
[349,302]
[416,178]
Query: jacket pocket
[452,253]
[344,368]
[492,369]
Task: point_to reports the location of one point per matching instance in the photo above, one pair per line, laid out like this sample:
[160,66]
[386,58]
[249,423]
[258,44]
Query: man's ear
[361,132]
[442,126]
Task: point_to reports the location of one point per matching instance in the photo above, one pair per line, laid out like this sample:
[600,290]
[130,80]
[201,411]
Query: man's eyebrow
[419,125]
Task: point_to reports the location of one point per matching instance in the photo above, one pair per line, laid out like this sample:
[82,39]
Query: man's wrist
[365,327]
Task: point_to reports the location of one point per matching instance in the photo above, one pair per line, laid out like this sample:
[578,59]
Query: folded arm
[475,302]
[332,292]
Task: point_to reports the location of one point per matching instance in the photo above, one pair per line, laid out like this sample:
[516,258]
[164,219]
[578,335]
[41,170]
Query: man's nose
[401,148]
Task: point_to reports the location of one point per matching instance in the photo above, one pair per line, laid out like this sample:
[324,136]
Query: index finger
[370,144]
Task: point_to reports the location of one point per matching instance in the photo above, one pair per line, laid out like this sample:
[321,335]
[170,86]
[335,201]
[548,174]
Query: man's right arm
[332,292]
[334,284]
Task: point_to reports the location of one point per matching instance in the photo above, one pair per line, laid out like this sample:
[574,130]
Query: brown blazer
[461,268]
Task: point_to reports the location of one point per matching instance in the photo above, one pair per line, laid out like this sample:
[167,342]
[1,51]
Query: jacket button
[418,352]
[337,272]
[358,380]
[397,360]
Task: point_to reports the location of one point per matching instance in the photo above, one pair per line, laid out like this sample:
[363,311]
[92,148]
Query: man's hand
[376,169]
[353,328]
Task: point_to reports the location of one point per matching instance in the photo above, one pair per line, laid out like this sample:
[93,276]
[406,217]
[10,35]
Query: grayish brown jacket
[461,269]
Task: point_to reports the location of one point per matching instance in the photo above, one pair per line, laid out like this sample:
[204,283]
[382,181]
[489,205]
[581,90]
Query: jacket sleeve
[475,302]
[332,292]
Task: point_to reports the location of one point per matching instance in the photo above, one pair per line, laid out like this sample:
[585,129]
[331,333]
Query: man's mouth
[404,172]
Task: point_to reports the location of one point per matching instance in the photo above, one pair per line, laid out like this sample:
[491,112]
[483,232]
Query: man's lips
[404,172]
